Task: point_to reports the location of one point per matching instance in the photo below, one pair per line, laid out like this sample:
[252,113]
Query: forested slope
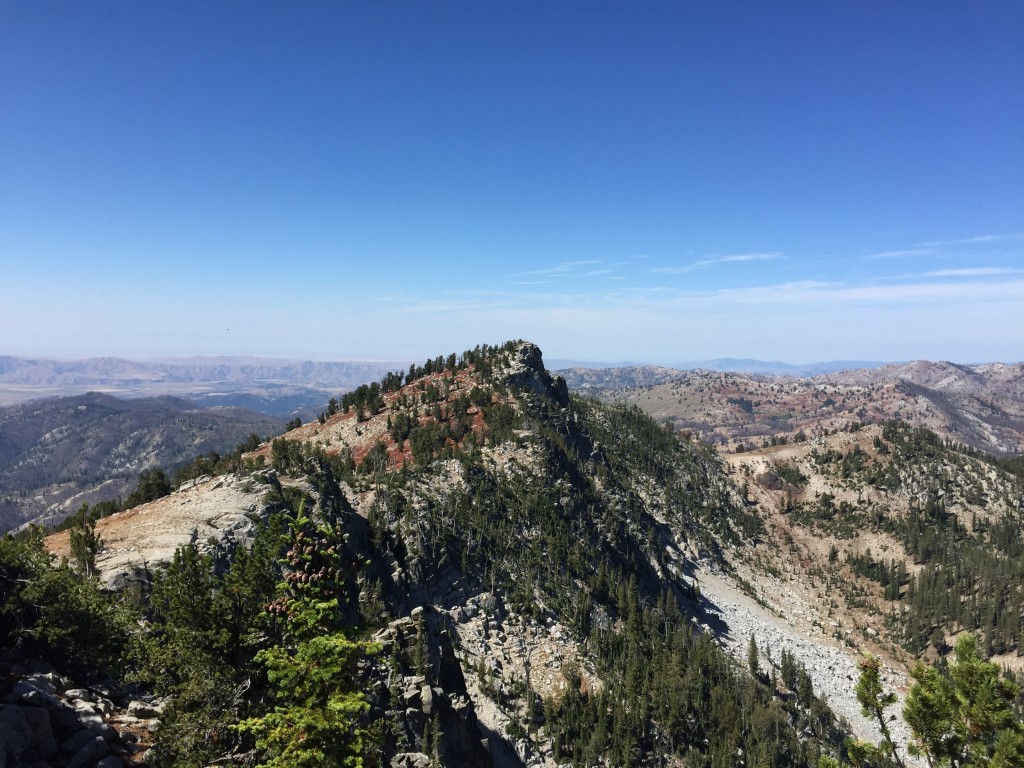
[57,453]
[460,565]
[468,553]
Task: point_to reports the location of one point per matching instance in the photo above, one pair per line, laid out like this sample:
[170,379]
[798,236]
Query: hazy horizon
[550,361]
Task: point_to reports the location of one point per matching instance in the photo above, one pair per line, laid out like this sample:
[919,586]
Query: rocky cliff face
[525,371]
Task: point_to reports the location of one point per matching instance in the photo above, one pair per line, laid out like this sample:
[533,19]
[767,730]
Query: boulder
[410,760]
[47,682]
[43,744]
[15,733]
[427,700]
[91,751]
[77,741]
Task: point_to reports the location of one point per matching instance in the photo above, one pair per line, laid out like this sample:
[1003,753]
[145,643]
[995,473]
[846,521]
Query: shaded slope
[56,454]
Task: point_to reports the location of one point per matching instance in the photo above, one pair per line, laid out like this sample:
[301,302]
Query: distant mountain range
[275,387]
[287,388]
[980,405]
[744,365]
[733,364]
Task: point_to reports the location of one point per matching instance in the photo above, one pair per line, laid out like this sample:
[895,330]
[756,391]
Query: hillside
[533,563]
[56,454]
[980,405]
[899,539]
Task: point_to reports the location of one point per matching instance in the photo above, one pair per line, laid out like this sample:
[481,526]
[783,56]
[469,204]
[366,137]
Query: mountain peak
[526,371]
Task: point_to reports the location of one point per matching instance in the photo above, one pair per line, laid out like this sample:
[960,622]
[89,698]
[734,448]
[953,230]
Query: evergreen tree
[753,662]
[153,484]
[84,542]
[966,717]
[874,700]
[961,716]
[315,672]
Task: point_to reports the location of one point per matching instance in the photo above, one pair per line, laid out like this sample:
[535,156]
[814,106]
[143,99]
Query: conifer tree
[84,542]
[874,700]
[960,717]
[967,717]
[314,673]
[752,657]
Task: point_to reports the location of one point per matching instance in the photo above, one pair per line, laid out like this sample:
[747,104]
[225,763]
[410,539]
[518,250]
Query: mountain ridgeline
[58,453]
[481,568]
[549,539]
[980,405]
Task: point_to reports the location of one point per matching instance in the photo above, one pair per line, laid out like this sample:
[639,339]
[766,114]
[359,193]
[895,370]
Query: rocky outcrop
[526,372]
[45,722]
[430,705]
[216,514]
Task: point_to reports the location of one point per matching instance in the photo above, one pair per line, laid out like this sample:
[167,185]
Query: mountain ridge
[981,405]
[517,531]
[277,385]
[57,453]
[559,576]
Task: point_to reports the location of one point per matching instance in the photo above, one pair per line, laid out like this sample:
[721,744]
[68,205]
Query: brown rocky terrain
[979,405]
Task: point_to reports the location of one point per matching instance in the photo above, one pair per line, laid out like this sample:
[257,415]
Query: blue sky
[652,181]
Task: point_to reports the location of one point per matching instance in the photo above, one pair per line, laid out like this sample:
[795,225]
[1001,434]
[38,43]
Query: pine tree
[84,542]
[315,673]
[967,717]
[874,700]
[963,716]
[752,657]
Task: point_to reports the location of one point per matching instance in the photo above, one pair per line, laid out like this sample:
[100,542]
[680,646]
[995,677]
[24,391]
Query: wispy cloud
[812,293]
[565,268]
[738,257]
[484,302]
[904,254]
[973,240]
[732,258]
[798,298]
[974,272]
[681,270]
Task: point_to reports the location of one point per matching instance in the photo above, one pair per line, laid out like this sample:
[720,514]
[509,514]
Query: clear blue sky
[649,181]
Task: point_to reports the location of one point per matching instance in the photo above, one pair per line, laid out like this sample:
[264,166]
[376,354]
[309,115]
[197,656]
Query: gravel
[832,669]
